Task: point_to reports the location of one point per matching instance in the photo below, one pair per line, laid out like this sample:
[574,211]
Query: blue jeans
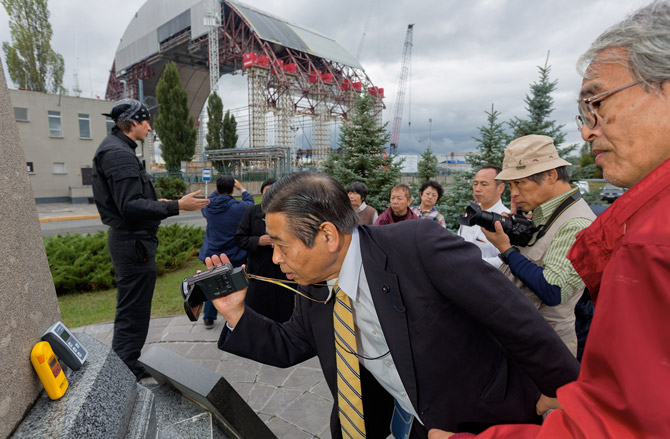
[210,311]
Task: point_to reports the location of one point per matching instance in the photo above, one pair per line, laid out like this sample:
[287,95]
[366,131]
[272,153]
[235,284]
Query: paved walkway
[295,403]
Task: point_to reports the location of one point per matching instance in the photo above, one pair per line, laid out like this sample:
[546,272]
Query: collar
[130,142]
[542,213]
[361,207]
[350,270]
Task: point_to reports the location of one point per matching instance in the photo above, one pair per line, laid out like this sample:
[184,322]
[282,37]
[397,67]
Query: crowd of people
[423,333]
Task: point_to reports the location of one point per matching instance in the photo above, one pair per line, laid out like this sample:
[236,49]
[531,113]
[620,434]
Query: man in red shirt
[624,256]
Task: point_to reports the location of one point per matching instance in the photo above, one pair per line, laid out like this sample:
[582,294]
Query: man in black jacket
[126,200]
[437,329]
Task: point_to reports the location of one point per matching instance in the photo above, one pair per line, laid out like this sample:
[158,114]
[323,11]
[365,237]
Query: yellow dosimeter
[48,369]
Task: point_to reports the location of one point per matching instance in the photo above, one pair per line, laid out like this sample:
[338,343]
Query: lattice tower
[284,116]
[321,133]
[258,106]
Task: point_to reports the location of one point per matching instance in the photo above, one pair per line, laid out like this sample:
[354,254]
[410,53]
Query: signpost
[206,177]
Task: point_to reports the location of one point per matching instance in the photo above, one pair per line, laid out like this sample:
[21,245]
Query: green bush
[172,188]
[82,262]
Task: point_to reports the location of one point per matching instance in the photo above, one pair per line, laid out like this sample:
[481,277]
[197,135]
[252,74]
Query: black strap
[542,230]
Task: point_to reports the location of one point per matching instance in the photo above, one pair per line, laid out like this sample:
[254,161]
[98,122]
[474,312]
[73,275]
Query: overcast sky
[466,55]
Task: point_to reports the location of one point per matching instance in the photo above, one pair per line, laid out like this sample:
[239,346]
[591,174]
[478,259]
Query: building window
[55,126]
[59,168]
[21,114]
[84,126]
[110,124]
[31,169]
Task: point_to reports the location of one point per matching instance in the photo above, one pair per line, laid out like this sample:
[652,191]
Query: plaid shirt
[429,214]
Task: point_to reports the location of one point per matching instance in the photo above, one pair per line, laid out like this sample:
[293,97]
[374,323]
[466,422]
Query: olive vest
[562,316]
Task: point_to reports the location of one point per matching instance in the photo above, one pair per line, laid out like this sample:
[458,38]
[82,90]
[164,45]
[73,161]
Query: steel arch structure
[286,76]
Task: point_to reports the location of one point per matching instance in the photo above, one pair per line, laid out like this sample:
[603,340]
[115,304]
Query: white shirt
[370,339]
[475,235]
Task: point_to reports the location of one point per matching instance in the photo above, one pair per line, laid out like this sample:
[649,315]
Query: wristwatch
[504,255]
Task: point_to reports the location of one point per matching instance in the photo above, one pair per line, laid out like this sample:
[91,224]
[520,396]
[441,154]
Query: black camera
[207,285]
[519,229]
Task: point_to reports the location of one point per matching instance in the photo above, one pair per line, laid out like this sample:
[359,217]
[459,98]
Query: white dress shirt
[475,235]
[370,339]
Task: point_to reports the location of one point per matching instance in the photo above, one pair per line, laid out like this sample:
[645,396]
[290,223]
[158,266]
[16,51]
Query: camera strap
[542,230]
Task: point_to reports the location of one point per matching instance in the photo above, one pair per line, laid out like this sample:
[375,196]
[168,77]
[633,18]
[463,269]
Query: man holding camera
[406,315]
[539,184]
[486,191]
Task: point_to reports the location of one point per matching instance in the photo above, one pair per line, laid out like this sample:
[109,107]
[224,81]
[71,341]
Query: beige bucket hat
[529,155]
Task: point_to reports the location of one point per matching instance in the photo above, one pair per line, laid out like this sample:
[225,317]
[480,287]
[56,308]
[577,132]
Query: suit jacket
[470,348]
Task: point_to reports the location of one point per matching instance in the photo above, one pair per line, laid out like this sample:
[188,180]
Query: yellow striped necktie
[349,400]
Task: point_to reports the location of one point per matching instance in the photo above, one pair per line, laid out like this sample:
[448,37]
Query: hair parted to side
[359,188]
[225,184]
[645,37]
[435,185]
[307,200]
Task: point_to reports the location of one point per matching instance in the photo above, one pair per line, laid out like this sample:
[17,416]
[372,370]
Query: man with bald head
[624,257]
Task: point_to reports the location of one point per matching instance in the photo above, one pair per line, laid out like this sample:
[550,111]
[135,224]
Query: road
[85,226]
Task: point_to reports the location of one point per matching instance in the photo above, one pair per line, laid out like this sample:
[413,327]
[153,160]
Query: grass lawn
[79,309]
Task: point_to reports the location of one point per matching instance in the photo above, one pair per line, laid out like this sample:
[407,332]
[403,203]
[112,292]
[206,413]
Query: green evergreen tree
[174,124]
[229,137]
[214,126]
[540,105]
[491,142]
[31,62]
[584,166]
[456,199]
[427,166]
[362,157]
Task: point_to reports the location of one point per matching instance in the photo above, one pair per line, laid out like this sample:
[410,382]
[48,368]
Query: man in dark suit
[438,330]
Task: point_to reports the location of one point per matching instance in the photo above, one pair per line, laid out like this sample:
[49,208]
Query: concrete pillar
[27,295]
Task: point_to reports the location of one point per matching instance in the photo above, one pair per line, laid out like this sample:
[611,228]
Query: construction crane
[402,85]
[212,21]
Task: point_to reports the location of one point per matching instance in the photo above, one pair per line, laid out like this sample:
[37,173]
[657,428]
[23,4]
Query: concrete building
[60,135]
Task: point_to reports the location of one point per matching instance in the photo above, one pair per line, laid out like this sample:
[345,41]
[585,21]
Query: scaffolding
[258,106]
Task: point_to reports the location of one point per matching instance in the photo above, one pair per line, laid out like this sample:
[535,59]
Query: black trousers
[134,259]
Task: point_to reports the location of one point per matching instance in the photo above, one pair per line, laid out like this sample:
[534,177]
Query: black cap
[130,110]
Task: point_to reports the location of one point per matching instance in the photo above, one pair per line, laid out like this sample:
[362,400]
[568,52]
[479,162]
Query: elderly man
[401,198]
[486,191]
[624,257]
[538,180]
[406,315]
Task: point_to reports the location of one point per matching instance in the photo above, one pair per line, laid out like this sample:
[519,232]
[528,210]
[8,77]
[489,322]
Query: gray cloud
[466,55]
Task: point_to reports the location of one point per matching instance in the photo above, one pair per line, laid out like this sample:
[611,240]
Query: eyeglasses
[587,114]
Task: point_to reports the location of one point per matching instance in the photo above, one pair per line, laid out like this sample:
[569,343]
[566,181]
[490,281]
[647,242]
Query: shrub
[82,262]
[172,188]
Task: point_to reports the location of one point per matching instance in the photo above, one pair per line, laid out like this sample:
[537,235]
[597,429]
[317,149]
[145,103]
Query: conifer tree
[228,135]
[427,166]
[362,157]
[174,124]
[456,199]
[214,126]
[540,105]
[491,142]
[31,62]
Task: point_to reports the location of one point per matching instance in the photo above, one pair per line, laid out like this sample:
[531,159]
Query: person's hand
[231,306]
[163,199]
[435,433]
[546,403]
[499,239]
[264,240]
[189,202]
[238,185]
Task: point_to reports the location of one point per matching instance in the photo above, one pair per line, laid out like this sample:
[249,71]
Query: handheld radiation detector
[48,370]
[65,345]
